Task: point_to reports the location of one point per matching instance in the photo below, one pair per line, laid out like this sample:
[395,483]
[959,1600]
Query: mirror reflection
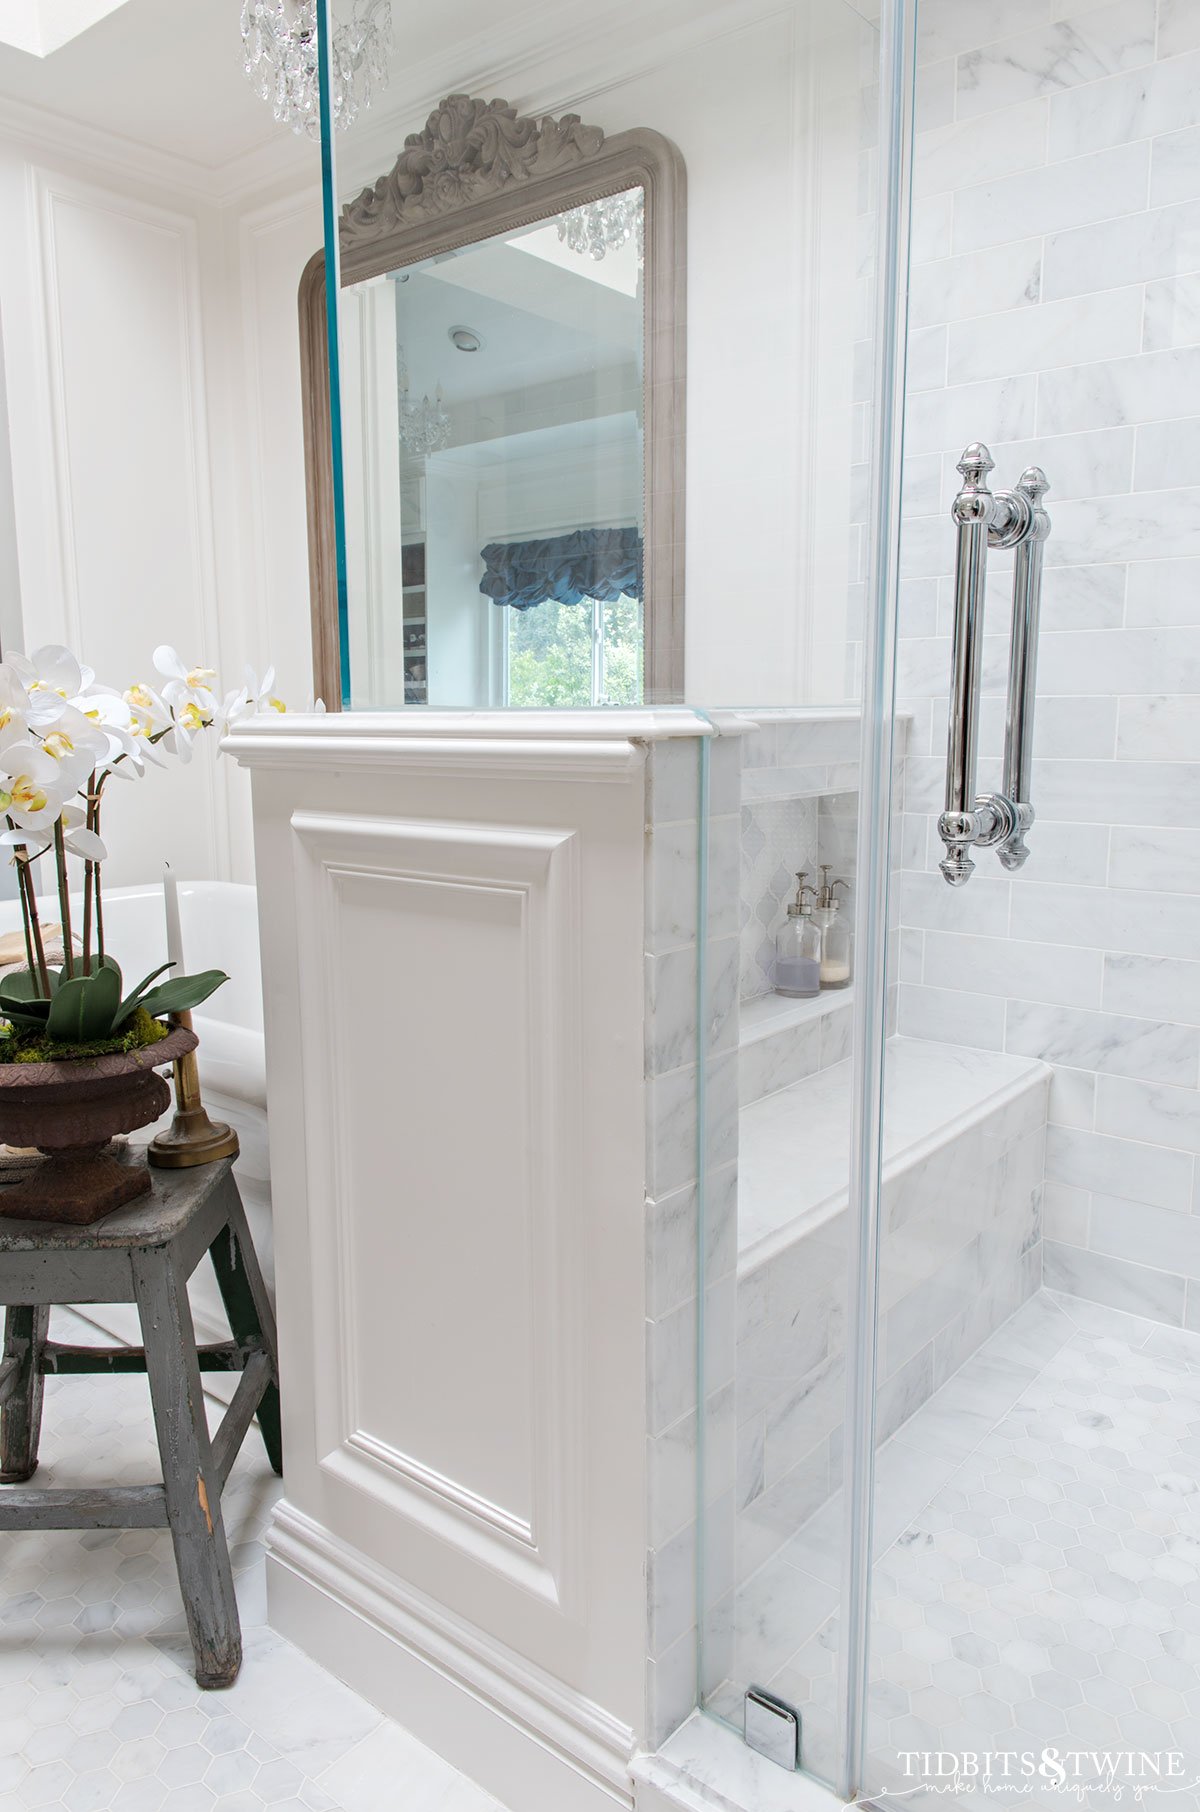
[505,387]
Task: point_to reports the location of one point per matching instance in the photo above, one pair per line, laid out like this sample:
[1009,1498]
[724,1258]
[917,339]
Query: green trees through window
[570,654]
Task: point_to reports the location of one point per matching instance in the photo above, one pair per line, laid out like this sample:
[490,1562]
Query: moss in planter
[35,1047]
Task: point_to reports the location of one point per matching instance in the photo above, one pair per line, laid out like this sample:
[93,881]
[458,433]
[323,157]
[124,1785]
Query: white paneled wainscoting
[1056,316]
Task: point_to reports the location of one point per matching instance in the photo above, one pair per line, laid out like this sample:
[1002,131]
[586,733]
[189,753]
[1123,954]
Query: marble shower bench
[960,1250]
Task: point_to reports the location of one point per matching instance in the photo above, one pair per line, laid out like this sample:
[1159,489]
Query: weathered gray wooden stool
[145,1254]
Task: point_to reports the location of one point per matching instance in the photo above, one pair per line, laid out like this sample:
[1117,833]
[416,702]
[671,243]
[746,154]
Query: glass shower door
[1035,1596]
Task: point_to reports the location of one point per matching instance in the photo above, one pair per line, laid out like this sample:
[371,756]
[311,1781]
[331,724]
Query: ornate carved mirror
[512,353]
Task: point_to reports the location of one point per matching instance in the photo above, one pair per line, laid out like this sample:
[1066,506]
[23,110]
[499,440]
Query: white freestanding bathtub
[220,931]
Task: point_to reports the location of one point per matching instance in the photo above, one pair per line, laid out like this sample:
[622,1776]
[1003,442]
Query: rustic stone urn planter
[71,1111]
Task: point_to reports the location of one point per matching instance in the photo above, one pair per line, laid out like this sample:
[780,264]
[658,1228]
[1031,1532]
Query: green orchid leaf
[134,999]
[83,1009]
[20,1016]
[25,985]
[182,992]
[59,976]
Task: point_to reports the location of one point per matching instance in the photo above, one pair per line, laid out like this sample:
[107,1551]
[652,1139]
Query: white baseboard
[522,1735]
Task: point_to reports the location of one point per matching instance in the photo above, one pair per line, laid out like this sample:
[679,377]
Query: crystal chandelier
[279,39]
[605,225]
[424,426]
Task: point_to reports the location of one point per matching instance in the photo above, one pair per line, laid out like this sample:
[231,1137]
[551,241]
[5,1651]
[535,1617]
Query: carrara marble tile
[1145,1236]
[1071,52]
[1050,200]
[1070,332]
[1168,986]
[1162,591]
[976,283]
[1161,525]
[1128,793]
[1135,248]
[970,151]
[1109,1043]
[1172,318]
[1154,387]
[1134,1288]
[1175,167]
[1054,973]
[1178,27]
[946,27]
[1107,919]
[1137,1173]
[1164,450]
[1163,728]
[1161,859]
[1140,105]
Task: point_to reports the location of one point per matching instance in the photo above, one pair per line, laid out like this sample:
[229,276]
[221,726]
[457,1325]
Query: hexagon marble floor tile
[98,1708]
[1037,1579]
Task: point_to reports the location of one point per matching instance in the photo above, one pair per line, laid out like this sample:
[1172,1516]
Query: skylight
[43,26]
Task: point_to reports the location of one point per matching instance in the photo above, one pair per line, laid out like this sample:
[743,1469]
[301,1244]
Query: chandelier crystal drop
[424,426]
[606,225]
[279,39]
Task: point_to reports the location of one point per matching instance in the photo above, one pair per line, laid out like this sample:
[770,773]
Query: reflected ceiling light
[279,39]
[424,426]
[605,225]
[465,339]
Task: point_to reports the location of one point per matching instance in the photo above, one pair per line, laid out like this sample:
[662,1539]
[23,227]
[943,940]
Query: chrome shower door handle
[984,519]
[974,511]
[1022,666]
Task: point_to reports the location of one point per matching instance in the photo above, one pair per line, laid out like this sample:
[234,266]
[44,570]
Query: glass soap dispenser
[798,948]
[835,936]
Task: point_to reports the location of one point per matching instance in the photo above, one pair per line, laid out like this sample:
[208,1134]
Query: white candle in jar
[174,924]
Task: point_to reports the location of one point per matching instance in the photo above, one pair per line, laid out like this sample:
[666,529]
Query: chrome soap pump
[835,933]
[798,948]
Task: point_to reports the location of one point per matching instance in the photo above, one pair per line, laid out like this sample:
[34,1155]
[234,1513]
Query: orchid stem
[29,912]
[64,900]
[89,877]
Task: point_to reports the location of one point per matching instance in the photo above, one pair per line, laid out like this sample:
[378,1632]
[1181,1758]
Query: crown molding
[534,56]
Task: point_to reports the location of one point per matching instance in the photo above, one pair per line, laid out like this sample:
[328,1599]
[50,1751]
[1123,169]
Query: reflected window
[512,433]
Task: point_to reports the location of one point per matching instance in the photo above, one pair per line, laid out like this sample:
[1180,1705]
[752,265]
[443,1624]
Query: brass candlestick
[193,1138]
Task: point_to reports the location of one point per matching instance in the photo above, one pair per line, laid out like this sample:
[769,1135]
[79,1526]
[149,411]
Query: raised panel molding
[168,492]
[479,1233]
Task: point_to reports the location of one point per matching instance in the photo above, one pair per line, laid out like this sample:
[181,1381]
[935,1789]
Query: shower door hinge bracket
[772,1727]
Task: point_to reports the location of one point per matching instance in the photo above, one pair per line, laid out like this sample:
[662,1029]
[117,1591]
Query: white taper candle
[174,925]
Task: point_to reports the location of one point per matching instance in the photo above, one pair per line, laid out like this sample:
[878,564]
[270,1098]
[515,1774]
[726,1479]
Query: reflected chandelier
[279,39]
[424,426]
[605,225]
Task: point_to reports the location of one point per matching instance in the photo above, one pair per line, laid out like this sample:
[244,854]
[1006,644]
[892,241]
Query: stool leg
[25,1330]
[191,1481]
[251,1317]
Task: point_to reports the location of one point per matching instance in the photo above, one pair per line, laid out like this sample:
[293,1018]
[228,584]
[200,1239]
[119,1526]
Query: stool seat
[144,1254]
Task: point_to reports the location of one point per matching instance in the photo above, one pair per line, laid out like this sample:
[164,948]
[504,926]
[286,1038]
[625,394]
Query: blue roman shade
[601,563]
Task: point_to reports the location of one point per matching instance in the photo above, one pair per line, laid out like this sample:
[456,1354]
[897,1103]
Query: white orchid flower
[78,839]
[52,677]
[108,713]
[78,747]
[14,707]
[262,697]
[31,786]
[186,686]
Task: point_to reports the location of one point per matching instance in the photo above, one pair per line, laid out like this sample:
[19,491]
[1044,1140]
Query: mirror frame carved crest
[480,168]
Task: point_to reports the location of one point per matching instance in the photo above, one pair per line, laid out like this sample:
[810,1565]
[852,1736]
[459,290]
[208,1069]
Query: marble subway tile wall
[1055,314]
[674,1210]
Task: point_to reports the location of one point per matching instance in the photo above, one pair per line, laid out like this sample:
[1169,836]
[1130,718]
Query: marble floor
[98,1708]
[1037,1580]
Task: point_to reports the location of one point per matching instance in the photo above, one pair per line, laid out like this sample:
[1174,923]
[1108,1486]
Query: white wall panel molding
[118,316]
[503,903]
